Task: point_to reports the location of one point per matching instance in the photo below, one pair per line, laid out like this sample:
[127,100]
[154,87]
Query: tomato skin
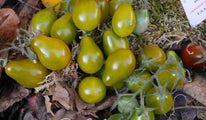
[154,52]
[136,85]
[123,20]
[90,58]
[119,65]
[86,14]
[113,5]
[51,3]
[154,102]
[43,20]
[112,42]
[142,20]
[104,6]
[53,53]
[191,54]
[149,115]
[64,29]
[26,72]
[91,90]
[166,75]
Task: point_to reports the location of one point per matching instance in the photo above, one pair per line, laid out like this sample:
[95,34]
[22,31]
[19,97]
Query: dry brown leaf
[8,23]
[2,3]
[48,105]
[62,96]
[197,88]
[17,94]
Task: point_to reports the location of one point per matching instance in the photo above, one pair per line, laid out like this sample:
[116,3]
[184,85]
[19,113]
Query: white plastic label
[195,11]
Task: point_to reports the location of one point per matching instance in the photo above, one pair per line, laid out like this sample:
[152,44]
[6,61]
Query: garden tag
[195,11]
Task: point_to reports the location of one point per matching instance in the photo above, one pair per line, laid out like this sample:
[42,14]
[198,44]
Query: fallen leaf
[48,105]
[2,3]
[8,23]
[196,88]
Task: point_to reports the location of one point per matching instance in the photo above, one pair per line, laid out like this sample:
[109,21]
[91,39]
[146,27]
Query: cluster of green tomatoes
[110,65]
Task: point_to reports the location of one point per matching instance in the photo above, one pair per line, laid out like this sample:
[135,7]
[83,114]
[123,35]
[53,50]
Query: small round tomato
[123,20]
[104,6]
[90,58]
[135,85]
[53,53]
[154,101]
[64,29]
[86,14]
[26,72]
[191,55]
[149,115]
[114,4]
[51,3]
[155,53]
[126,104]
[174,54]
[112,42]
[119,65]
[91,90]
[142,20]
[117,116]
[166,75]
[43,20]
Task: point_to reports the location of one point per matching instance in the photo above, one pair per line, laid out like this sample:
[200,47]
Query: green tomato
[164,76]
[114,4]
[117,116]
[174,54]
[155,53]
[91,90]
[123,20]
[126,104]
[64,29]
[53,53]
[104,6]
[26,72]
[112,42]
[155,101]
[149,115]
[90,58]
[43,20]
[86,14]
[135,85]
[119,65]
[142,20]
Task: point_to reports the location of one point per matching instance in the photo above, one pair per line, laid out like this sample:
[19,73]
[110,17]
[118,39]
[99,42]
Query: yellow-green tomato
[147,115]
[136,84]
[86,14]
[26,72]
[53,53]
[156,54]
[43,20]
[119,65]
[104,6]
[64,29]
[170,78]
[123,20]
[112,42]
[114,4]
[90,58]
[91,90]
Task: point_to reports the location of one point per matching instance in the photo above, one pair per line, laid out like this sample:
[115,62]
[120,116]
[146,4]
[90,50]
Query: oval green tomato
[142,20]
[53,53]
[90,58]
[104,6]
[43,20]
[64,29]
[86,14]
[156,54]
[123,20]
[114,4]
[119,65]
[26,72]
[149,115]
[174,54]
[155,101]
[136,84]
[170,78]
[112,42]
[91,90]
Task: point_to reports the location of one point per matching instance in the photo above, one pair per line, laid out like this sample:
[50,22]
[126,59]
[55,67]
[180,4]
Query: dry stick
[21,1]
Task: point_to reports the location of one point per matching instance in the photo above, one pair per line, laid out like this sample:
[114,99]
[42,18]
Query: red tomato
[191,55]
